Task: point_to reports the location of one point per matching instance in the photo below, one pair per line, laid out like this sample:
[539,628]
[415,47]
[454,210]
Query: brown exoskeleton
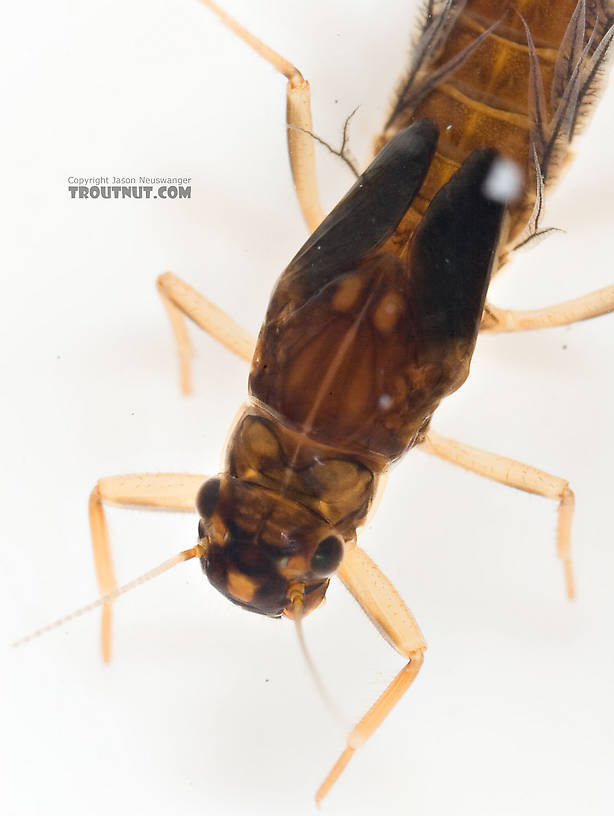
[315,375]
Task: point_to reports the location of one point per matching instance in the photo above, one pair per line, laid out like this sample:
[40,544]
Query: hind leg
[594,304]
[515,474]
[298,119]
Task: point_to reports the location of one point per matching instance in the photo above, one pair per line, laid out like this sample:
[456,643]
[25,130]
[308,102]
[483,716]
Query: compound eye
[207,497]
[202,531]
[328,556]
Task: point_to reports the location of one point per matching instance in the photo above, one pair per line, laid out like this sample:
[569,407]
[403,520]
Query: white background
[207,709]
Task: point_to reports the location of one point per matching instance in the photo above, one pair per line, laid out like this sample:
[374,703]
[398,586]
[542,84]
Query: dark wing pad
[452,254]
[362,220]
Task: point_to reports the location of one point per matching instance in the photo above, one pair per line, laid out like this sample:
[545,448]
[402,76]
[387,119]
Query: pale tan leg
[571,311]
[181,299]
[515,474]
[298,118]
[386,610]
[170,491]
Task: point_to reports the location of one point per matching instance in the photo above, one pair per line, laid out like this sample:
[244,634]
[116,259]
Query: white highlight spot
[504,182]
[385,402]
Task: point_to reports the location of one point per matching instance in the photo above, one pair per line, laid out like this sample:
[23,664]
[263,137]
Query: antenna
[195,552]
[295,595]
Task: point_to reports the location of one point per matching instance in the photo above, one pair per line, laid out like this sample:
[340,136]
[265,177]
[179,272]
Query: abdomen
[492,97]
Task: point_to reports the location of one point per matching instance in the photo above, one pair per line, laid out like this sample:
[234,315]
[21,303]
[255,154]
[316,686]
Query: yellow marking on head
[217,529]
[241,587]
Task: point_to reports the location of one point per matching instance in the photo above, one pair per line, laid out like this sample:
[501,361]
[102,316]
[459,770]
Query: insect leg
[571,311]
[181,299]
[387,611]
[298,117]
[515,474]
[169,491]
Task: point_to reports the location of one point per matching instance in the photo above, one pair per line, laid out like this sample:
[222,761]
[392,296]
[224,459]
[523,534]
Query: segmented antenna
[295,595]
[195,552]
